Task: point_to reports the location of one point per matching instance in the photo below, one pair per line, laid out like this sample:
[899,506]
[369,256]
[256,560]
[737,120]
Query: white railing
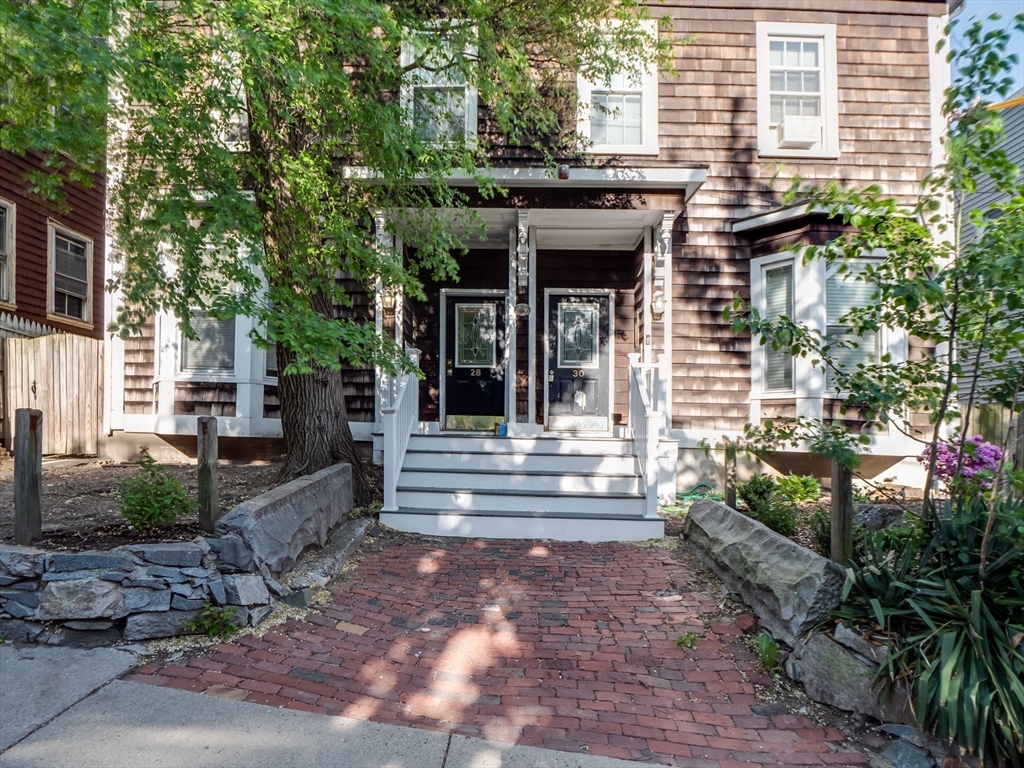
[398,419]
[645,424]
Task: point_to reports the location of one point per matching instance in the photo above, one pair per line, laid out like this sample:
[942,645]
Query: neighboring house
[589,321]
[993,421]
[51,282]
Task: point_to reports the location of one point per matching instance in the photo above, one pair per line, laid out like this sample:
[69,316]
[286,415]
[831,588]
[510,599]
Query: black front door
[474,361]
[579,362]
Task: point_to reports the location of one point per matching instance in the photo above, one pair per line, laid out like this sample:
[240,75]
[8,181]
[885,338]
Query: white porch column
[383,384]
[661,286]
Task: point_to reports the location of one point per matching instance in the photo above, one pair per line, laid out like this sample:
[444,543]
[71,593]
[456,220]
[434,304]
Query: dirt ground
[80,502]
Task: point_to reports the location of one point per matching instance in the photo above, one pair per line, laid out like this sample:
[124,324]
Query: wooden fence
[62,376]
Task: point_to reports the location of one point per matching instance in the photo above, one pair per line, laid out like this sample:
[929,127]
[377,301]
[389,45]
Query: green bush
[955,636]
[799,488]
[821,533]
[214,621]
[763,503]
[152,497]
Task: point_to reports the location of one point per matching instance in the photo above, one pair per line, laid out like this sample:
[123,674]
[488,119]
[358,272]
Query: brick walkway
[564,646]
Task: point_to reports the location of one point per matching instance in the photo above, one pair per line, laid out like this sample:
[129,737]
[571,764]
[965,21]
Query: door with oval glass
[474,359]
[580,355]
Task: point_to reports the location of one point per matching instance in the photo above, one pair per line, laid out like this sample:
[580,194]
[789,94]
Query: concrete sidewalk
[65,707]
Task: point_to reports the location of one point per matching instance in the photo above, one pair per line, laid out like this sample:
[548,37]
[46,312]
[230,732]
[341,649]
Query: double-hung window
[214,349]
[845,292]
[7,229]
[620,116]
[819,297]
[797,91]
[778,303]
[436,99]
[70,284]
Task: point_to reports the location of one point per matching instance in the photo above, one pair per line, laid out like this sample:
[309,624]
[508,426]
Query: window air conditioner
[799,132]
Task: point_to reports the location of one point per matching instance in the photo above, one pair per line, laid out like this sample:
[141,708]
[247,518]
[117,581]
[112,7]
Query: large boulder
[791,588]
[834,675]
[281,524]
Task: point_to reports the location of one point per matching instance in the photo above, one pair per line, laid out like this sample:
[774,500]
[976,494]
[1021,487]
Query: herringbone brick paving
[564,646]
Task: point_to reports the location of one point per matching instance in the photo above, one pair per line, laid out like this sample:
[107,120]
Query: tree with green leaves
[963,298]
[231,129]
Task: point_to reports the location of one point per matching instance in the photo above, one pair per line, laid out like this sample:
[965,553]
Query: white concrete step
[557,446]
[520,462]
[489,526]
[552,481]
[521,502]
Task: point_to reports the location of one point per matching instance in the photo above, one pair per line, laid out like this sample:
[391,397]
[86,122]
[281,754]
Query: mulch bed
[80,510]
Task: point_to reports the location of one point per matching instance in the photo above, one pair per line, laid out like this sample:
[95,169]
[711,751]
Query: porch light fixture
[658,306]
[387,301]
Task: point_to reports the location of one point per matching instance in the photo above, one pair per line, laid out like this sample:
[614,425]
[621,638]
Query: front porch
[557,335]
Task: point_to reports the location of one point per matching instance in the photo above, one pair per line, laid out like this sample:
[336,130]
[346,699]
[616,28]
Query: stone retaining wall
[143,591]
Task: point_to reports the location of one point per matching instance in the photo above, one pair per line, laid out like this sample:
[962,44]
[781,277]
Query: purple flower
[978,456]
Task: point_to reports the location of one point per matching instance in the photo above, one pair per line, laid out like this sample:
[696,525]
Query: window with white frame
[620,116]
[7,229]
[797,90]
[436,99]
[844,292]
[214,349]
[70,286]
[818,297]
[778,303]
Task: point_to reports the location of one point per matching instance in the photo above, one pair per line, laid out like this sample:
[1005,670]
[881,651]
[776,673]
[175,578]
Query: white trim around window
[626,101]
[809,307]
[802,84]
[440,83]
[8,253]
[75,246]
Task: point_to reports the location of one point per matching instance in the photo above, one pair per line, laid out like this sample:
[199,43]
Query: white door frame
[610,293]
[508,359]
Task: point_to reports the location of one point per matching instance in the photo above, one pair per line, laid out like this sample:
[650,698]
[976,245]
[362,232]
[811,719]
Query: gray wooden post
[842,514]
[730,476]
[28,475]
[209,498]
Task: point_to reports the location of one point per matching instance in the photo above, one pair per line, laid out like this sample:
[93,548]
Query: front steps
[566,489]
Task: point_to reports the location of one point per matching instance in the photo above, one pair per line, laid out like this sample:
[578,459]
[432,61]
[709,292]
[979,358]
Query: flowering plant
[970,473]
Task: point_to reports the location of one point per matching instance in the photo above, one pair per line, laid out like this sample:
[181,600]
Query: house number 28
[475,372]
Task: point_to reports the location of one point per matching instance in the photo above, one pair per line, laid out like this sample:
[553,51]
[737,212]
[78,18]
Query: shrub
[214,621]
[966,473]
[760,496]
[955,636]
[152,497]
[821,530]
[799,488]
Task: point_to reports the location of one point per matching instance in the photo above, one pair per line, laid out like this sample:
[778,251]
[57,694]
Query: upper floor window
[778,290]
[620,116]
[6,252]
[70,286]
[436,99]
[797,91]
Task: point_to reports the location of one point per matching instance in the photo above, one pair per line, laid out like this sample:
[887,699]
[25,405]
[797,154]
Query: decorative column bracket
[523,252]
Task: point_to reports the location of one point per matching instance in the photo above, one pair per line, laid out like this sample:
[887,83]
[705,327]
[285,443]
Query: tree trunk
[314,420]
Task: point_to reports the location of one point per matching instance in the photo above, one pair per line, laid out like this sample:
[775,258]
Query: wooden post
[842,514]
[209,497]
[730,475]
[28,475]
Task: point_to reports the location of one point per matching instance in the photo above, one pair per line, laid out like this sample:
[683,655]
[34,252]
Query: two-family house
[586,326]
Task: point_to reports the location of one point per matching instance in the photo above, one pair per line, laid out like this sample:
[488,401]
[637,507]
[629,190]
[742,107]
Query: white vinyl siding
[843,293]
[778,303]
[214,350]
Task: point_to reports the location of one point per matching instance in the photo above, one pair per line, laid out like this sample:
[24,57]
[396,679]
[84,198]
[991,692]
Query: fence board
[60,375]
